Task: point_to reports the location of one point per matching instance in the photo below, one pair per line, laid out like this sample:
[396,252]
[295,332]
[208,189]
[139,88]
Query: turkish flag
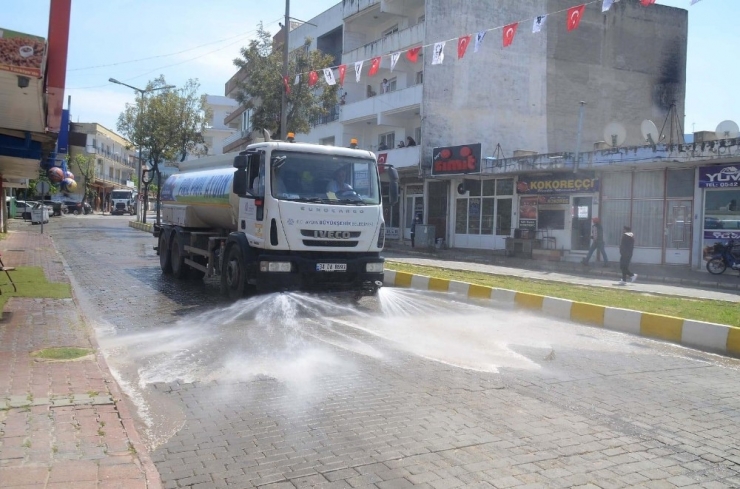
[313,77]
[374,66]
[645,3]
[574,16]
[342,70]
[462,45]
[413,54]
[509,32]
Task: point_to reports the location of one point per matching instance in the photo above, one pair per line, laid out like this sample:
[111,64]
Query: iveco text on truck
[291,216]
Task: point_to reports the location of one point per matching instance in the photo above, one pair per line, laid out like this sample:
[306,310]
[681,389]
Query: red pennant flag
[342,70]
[509,32]
[413,54]
[287,86]
[574,16]
[462,45]
[645,3]
[374,66]
[313,77]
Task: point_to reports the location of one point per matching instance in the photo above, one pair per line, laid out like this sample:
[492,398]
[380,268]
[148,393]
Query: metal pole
[578,140]
[139,214]
[284,100]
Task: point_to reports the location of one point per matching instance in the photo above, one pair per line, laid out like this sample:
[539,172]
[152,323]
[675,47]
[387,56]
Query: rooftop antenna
[649,131]
[672,118]
[727,130]
[499,152]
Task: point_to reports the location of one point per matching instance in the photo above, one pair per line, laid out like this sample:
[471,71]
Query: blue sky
[137,40]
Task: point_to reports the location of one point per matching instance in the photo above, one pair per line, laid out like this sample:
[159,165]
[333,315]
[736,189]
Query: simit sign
[456,160]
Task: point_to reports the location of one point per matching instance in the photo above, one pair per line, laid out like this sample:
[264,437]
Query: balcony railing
[402,39]
[332,116]
[100,176]
[387,103]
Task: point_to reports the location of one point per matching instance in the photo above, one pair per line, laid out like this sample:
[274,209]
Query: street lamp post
[140,211]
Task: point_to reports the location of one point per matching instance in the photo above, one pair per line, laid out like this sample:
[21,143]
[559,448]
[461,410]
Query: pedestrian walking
[626,246]
[597,242]
[417,220]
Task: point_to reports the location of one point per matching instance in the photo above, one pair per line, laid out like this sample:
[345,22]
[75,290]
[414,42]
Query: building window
[391,31]
[388,139]
[327,141]
[417,136]
[419,77]
[634,199]
[486,207]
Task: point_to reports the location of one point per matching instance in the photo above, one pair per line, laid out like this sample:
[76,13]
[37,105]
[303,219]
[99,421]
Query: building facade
[112,161]
[519,140]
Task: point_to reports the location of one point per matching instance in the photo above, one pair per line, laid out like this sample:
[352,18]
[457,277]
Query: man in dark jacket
[626,246]
[597,242]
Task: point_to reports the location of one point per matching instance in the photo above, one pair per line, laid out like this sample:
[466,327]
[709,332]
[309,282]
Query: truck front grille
[329,243]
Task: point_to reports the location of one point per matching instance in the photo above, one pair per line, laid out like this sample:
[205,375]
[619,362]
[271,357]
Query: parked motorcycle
[724,255]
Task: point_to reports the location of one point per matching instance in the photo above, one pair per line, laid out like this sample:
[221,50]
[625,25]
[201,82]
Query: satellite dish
[727,130]
[649,131]
[615,134]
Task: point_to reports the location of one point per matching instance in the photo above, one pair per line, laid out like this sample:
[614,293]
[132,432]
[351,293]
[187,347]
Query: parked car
[77,208]
[24,209]
[57,207]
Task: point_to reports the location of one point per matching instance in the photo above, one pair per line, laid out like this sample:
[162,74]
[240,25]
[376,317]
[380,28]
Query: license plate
[331,267]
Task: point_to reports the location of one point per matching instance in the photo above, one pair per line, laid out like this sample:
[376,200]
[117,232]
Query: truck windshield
[309,177]
[120,195]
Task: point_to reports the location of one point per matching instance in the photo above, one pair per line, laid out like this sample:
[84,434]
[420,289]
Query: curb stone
[711,337]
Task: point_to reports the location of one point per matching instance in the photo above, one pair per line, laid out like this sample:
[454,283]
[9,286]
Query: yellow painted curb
[693,334]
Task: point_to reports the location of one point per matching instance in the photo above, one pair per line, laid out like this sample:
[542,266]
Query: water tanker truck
[278,216]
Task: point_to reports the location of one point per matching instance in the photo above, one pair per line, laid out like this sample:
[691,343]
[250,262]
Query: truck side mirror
[240,161]
[240,181]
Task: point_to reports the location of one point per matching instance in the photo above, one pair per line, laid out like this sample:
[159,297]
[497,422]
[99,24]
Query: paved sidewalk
[656,279]
[63,424]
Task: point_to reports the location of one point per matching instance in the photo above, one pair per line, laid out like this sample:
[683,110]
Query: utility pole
[578,139]
[284,101]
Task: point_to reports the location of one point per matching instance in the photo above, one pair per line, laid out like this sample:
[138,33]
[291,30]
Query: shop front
[721,203]
[557,209]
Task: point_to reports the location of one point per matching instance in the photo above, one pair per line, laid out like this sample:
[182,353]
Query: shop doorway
[580,238]
[414,205]
[677,244]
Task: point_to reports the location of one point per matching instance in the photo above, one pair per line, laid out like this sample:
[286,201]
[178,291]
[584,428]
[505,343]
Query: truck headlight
[275,266]
[381,236]
[374,267]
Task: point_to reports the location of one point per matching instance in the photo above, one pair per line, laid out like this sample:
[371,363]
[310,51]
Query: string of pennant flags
[573,20]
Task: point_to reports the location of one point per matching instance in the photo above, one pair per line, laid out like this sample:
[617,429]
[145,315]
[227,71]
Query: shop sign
[21,53]
[558,184]
[722,235]
[392,233]
[456,160]
[719,176]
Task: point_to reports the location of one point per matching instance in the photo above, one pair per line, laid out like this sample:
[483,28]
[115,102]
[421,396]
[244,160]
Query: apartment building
[114,159]
[516,104]
[217,131]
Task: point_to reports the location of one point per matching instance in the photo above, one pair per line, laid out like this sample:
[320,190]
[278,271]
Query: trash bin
[425,234]
[39,214]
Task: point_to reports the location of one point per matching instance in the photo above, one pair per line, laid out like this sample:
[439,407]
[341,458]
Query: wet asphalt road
[410,389]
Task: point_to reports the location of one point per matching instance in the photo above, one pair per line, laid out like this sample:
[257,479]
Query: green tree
[263,87]
[166,124]
[84,166]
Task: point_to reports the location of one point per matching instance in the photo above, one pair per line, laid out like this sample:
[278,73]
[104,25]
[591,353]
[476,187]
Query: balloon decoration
[69,184]
[56,174]
[63,177]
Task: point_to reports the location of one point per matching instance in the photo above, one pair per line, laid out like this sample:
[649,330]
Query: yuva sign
[719,176]
[456,160]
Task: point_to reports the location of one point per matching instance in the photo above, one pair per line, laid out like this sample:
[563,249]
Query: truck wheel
[233,277]
[165,259]
[179,267]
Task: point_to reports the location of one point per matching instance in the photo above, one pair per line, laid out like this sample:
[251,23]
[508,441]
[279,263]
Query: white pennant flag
[693,2]
[329,76]
[439,53]
[394,59]
[606,5]
[479,40]
[297,79]
[538,23]
[358,70]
